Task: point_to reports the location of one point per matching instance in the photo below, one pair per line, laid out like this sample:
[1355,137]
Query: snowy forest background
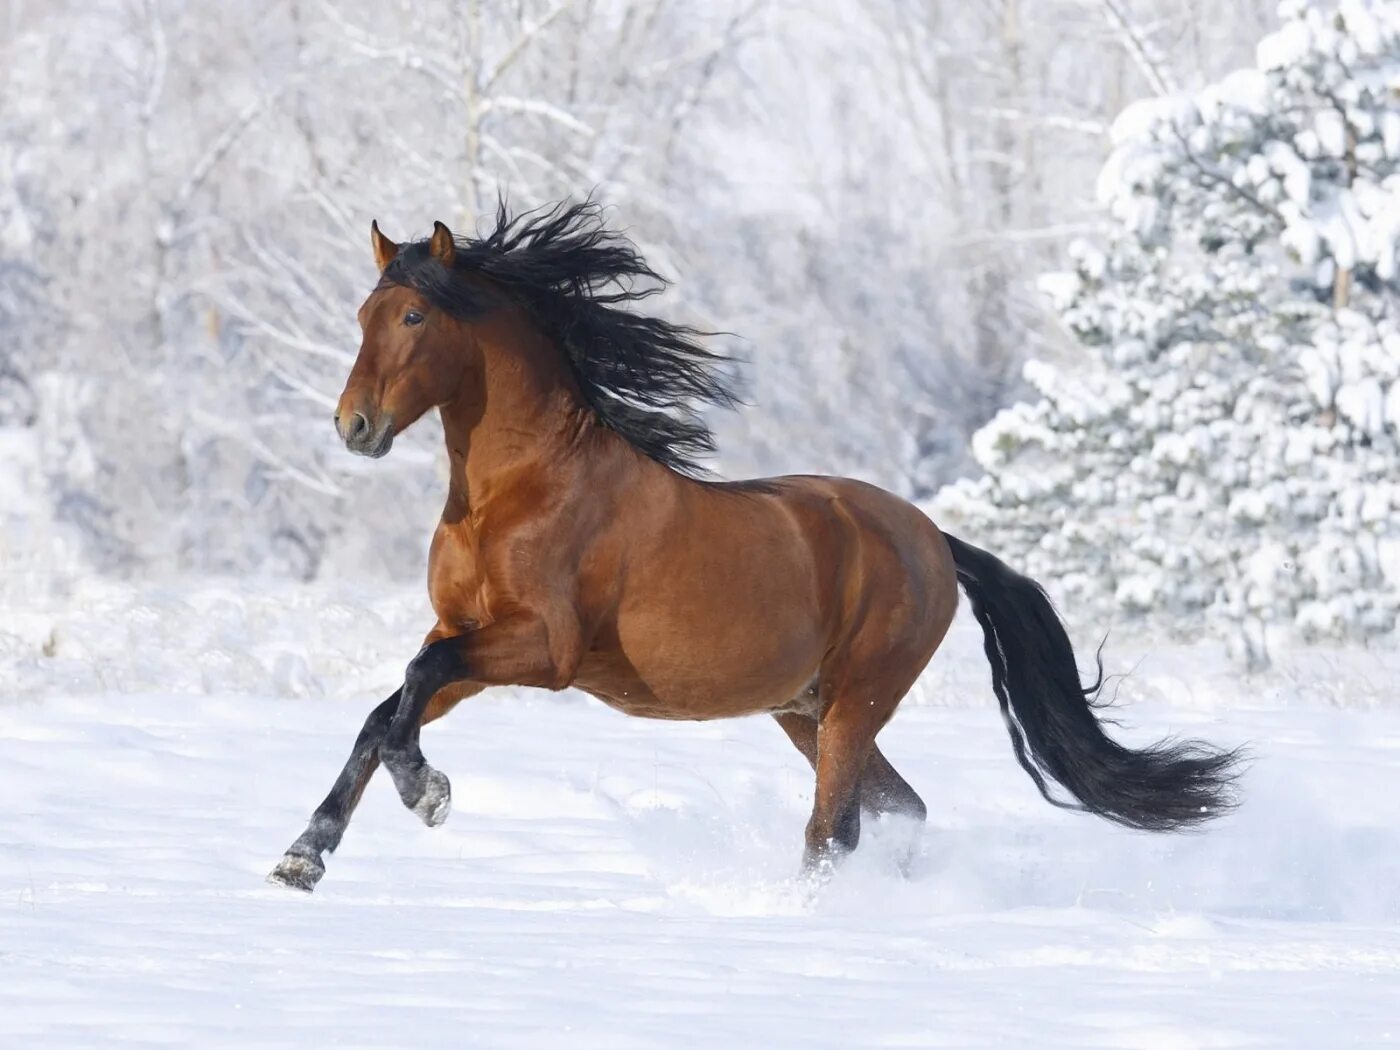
[897,204]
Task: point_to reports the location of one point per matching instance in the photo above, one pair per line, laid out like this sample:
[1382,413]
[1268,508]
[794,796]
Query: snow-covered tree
[1228,456]
[859,188]
[184,196]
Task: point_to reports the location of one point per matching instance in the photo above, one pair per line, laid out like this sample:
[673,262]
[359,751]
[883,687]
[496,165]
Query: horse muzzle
[364,438]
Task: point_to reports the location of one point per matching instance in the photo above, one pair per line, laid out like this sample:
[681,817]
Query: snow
[1284,48]
[613,882]
[1331,132]
[618,883]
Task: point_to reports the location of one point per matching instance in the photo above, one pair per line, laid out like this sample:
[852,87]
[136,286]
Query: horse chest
[458,586]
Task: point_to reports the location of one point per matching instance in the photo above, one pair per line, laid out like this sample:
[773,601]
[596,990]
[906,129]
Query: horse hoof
[436,803]
[297,872]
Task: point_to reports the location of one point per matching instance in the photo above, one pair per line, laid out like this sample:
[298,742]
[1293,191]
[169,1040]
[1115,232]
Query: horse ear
[384,249]
[441,246]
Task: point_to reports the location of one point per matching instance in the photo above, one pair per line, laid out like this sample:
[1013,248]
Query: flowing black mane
[643,376]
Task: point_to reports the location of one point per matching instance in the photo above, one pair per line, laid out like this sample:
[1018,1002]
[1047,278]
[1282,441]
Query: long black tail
[1166,787]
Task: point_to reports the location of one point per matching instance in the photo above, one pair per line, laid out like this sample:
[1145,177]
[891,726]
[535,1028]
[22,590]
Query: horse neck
[517,419]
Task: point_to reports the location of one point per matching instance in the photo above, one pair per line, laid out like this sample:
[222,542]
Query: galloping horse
[580,546]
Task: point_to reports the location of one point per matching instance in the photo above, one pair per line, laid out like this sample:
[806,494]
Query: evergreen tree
[1229,457]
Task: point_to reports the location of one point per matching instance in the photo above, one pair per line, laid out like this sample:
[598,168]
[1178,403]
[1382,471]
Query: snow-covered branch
[529,33]
[1138,44]
[535,107]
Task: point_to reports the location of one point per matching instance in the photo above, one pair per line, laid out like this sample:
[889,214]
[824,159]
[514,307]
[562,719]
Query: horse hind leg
[883,792]
[834,827]
[860,689]
[845,743]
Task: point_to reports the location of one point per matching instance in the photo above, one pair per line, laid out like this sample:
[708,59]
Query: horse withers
[581,546]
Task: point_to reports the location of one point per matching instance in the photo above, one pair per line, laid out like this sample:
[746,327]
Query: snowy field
[610,882]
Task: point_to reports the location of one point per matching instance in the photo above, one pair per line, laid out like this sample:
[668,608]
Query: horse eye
[413,318]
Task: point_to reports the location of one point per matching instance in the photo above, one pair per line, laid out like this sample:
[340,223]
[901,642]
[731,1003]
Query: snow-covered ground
[610,882]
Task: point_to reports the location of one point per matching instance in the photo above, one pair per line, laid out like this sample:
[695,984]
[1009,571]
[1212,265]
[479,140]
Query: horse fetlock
[322,835]
[435,802]
[421,788]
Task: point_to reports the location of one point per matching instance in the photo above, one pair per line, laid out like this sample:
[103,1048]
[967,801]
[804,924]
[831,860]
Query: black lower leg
[302,866]
[421,787]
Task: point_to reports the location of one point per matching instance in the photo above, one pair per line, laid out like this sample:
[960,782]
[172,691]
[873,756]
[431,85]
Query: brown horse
[578,548]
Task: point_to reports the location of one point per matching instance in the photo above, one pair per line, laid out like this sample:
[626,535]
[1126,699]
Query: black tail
[1050,716]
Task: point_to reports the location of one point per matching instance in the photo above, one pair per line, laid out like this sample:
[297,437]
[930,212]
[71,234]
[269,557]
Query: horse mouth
[382,446]
[374,446]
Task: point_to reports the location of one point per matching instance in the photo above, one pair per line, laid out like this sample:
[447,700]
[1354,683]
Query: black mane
[642,376]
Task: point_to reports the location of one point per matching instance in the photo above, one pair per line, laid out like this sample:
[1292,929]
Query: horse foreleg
[302,866]
[514,651]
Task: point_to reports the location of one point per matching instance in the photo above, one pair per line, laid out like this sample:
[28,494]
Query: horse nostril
[357,428]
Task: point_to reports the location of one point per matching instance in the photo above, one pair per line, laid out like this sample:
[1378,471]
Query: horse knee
[377,723]
[437,664]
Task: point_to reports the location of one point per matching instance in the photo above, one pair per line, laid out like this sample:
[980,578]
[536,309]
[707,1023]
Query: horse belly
[685,694]
[690,660]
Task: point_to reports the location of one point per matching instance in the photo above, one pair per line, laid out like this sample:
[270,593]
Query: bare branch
[247,437]
[1081,124]
[536,107]
[160,60]
[220,148]
[1042,233]
[408,58]
[1137,44]
[528,34]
